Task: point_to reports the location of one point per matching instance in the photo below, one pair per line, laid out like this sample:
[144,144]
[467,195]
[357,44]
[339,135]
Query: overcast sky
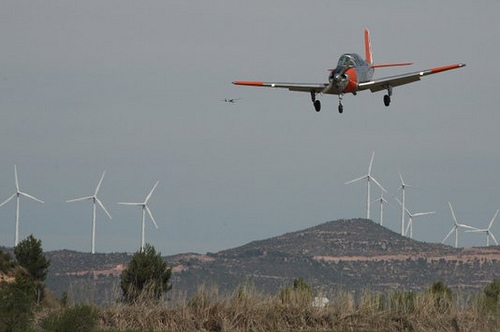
[136,88]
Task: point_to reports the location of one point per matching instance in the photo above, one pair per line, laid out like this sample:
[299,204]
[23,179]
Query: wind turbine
[369,178]
[402,202]
[145,208]
[411,216]
[17,194]
[94,207]
[382,201]
[456,226]
[487,231]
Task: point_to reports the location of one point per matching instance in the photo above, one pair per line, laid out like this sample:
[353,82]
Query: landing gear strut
[316,103]
[387,97]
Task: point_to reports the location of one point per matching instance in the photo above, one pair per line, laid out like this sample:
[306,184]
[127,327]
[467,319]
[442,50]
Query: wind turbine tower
[145,208]
[94,200]
[17,194]
[368,178]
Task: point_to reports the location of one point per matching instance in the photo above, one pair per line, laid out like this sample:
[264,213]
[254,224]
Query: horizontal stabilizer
[382,65]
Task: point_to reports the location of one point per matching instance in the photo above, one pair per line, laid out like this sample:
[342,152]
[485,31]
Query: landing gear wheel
[387,100]
[317,105]
[341,108]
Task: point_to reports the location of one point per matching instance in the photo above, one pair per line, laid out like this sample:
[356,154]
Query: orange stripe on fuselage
[252,83]
[352,84]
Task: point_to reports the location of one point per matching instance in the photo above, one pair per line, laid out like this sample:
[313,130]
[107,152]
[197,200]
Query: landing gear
[387,97]
[316,103]
[341,107]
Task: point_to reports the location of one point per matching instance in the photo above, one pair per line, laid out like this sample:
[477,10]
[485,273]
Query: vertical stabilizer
[368,47]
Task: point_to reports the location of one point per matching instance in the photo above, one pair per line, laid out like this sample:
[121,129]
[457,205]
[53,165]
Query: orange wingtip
[382,65]
[253,83]
[444,68]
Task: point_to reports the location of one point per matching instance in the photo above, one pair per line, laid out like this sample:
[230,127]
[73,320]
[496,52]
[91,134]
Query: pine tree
[146,277]
[29,255]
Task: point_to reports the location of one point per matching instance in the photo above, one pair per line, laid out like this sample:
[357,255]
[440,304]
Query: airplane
[354,74]
[230,100]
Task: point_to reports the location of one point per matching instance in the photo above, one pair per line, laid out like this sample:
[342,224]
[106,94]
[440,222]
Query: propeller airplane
[354,74]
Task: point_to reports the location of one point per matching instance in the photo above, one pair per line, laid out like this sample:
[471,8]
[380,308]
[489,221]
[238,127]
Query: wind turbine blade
[355,180]
[151,192]
[401,178]
[371,163]
[8,199]
[126,203]
[99,184]
[423,213]
[453,214]
[477,230]
[493,237]
[467,226]
[80,199]
[102,207]
[29,196]
[408,226]
[378,184]
[17,180]
[492,220]
[447,236]
[151,216]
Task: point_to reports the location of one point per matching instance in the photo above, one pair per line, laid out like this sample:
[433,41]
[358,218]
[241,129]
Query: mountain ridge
[344,254]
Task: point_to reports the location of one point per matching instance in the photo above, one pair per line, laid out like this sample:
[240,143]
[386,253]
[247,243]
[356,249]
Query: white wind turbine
[94,208]
[145,208]
[455,227]
[402,202]
[412,216]
[17,194]
[487,231]
[369,178]
[382,201]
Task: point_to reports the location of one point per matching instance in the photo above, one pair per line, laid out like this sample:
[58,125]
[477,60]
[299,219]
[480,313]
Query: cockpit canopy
[350,60]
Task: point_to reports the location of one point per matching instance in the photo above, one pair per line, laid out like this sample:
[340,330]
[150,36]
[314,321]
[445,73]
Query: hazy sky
[135,88]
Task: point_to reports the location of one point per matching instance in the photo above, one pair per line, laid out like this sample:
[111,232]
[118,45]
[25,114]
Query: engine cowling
[344,79]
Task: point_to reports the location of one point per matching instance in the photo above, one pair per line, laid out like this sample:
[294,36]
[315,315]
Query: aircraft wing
[303,87]
[393,81]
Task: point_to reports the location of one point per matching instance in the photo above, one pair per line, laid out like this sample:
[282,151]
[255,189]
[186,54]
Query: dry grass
[249,310]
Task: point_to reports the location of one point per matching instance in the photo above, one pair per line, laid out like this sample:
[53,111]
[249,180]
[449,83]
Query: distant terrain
[352,255]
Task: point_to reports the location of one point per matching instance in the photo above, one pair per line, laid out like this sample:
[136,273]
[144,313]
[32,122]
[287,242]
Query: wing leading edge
[397,80]
[302,87]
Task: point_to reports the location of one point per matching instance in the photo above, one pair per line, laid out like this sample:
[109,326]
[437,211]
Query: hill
[344,254]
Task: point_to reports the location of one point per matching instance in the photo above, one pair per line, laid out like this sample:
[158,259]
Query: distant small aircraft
[353,74]
[230,100]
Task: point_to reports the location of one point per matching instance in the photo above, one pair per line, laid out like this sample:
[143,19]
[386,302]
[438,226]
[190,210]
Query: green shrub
[81,317]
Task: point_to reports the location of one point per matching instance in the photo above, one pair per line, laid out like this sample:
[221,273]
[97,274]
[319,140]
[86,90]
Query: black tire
[387,100]
[341,108]
[317,105]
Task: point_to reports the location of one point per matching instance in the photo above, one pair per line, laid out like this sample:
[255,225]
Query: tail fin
[368,47]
